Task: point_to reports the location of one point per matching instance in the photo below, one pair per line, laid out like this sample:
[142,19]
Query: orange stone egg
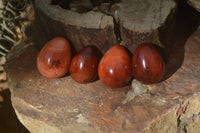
[147,64]
[115,67]
[54,59]
[84,66]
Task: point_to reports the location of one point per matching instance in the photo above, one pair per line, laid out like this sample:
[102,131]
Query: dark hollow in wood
[82,6]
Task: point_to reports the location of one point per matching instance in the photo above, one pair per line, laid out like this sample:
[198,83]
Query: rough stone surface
[195,4]
[62,105]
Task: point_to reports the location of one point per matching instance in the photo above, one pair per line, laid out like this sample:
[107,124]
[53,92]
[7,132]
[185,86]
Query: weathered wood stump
[129,23]
[62,105]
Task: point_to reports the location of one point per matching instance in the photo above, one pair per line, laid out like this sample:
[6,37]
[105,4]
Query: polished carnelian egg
[84,66]
[115,67]
[147,64]
[54,59]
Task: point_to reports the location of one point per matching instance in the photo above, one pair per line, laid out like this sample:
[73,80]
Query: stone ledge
[64,105]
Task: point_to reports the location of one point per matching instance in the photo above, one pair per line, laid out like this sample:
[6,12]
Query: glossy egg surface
[115,67]
[147,64]
[84,66]
[54,59]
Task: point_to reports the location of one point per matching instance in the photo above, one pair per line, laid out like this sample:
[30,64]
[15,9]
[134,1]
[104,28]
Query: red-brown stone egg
[54,59]
[115,67]
[84,66]
[147,64]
